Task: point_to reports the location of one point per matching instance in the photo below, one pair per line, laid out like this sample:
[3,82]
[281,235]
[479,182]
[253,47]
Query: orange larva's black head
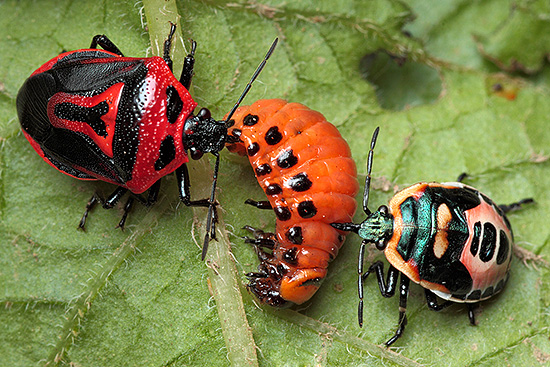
[266,284]
[277,290]
[265,290]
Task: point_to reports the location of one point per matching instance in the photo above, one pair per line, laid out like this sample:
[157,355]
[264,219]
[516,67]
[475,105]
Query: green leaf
[520,42]
[143,297]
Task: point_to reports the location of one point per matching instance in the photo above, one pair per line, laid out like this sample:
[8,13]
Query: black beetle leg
[184,185]
[188,65]
[113,199]
[403,294]
[127,208]
[515,206]
[387,289]
[89,206]
[431,299]
[471,312]
[168,45]
[104,41]
[153,194]
[461,177]
[182,175]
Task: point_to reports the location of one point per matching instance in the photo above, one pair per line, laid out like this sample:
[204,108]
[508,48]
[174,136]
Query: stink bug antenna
[211,218]
[254,76]
[365,242]
[369,169]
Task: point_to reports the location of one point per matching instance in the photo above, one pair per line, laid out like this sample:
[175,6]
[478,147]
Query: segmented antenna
[368,213]
[369,169]
[249,85]
[210,225]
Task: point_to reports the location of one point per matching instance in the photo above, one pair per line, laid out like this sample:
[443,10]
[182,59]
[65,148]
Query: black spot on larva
[341,238]
[282,270]
[167,153]
[287,159]
[488,292]
[273,136]
[294,235]
[282,213]
[488,243]
[250,120]
[230,123]
[263,169]
[503,247]
[306,209]
[300,182]
[475,295]
[290,255]
[174,104]
[475,239]
[252,149]
[273,189]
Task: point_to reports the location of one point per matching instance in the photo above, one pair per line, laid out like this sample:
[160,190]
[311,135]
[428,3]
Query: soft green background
[439,116]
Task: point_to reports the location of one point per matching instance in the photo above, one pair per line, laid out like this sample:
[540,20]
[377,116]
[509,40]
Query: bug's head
[377,228]
[203,134]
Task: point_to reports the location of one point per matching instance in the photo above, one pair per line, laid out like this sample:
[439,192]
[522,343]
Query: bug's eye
[195,153]
[204,114]
[381,245]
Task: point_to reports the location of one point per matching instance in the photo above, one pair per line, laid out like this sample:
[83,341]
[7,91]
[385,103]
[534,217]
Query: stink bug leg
[387,289]
[105,43]
[431,299]
[515,206]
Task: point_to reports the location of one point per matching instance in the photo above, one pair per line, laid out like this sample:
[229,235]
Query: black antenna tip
[374,137]
[272,48]
[252,79]
[205,246]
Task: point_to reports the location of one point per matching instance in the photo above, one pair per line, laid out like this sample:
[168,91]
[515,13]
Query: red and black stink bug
[306,170]
[448,237]
[98,115]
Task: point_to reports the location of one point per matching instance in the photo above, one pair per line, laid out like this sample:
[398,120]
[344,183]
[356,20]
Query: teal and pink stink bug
[448,237]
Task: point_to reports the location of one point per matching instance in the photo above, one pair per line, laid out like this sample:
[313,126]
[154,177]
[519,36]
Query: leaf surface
[141,297]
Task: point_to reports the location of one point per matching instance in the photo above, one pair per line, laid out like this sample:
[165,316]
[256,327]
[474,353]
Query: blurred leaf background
[456,86]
